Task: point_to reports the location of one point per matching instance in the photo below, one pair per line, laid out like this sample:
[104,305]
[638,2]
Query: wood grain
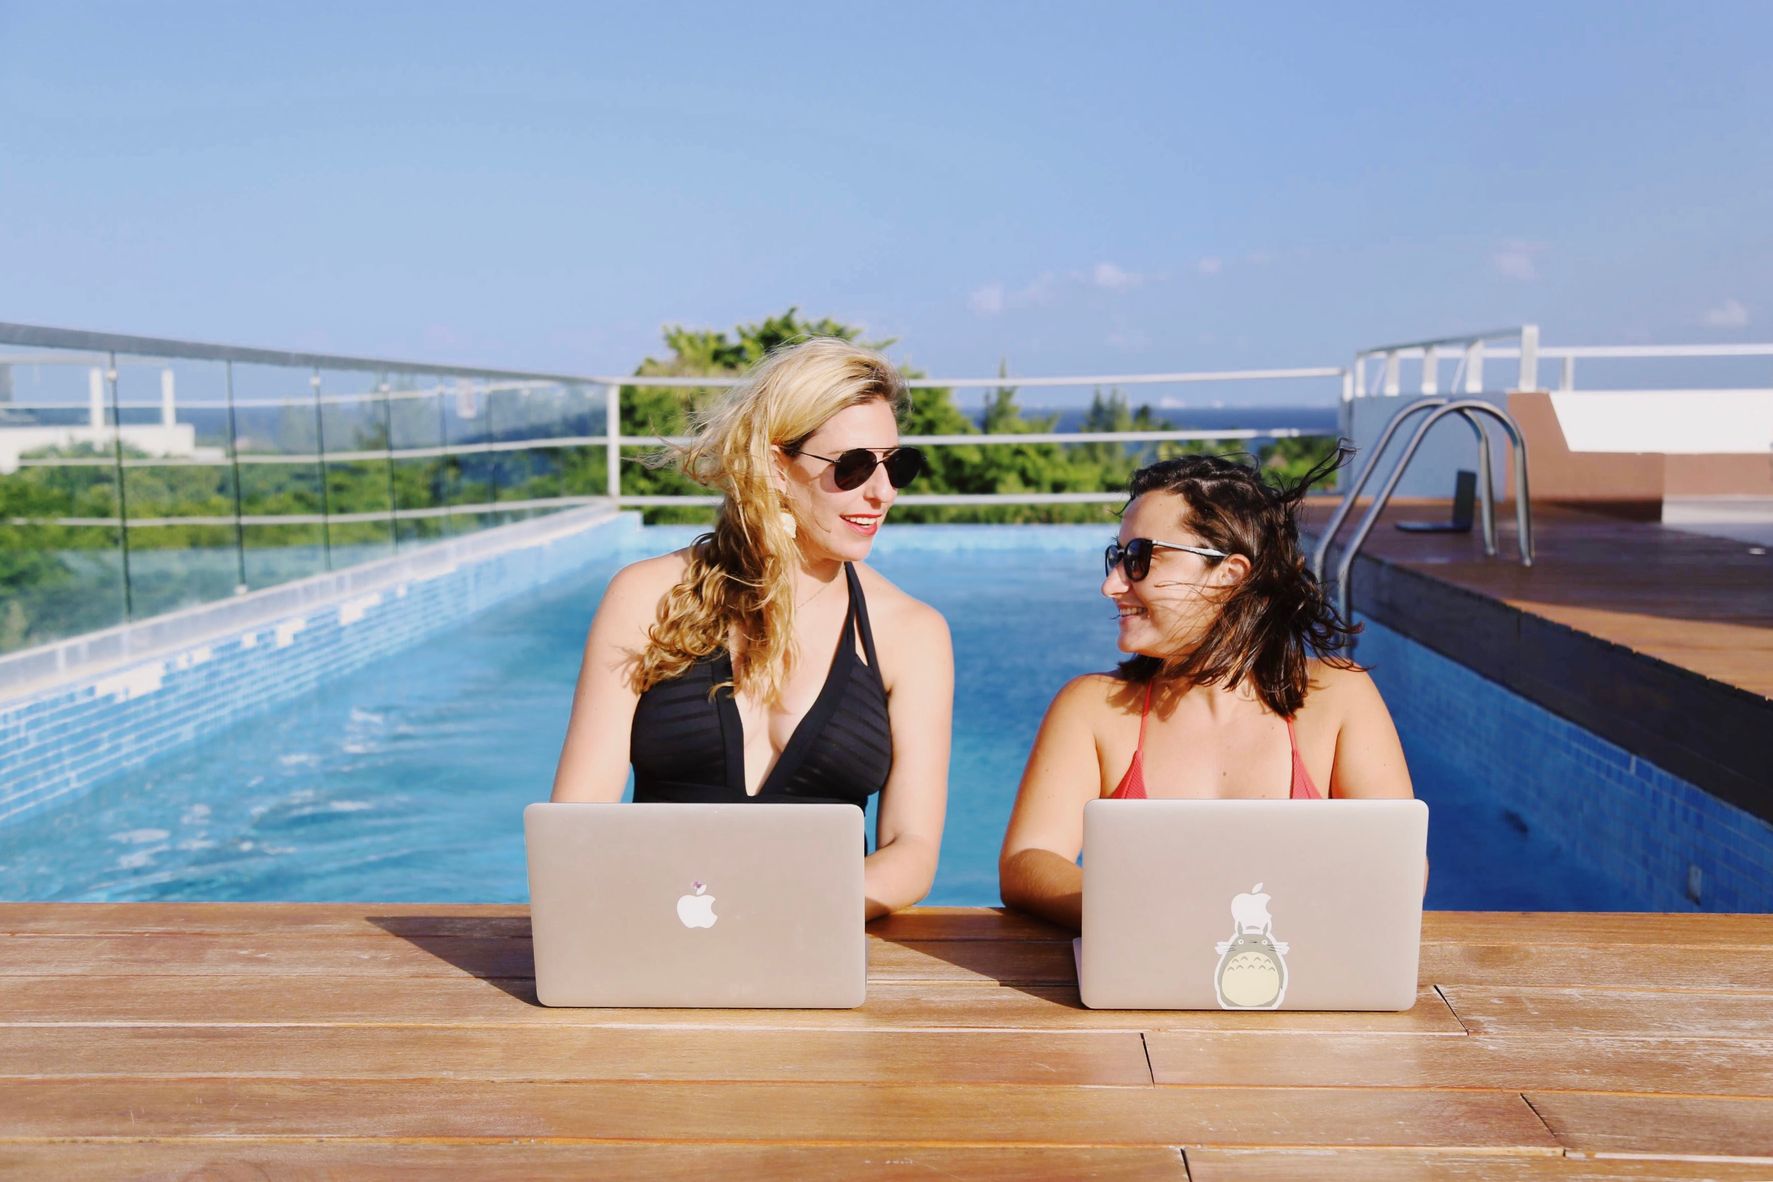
[1489,1009]
[574,1053]
[1528,963]
[258,1161]
[262,999]
[1395,1165]
[381,956]
[1539,1062]
[776,1112]
[263,1039]
[1660,1125]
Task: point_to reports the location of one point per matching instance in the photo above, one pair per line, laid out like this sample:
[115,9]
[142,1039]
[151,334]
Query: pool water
[406,781]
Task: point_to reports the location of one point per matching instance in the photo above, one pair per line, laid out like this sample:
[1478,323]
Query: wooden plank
[428,919]
[1536,1063]
[384,956]
[1491,1010]
[1402,1165]
[262,999]
[1685,930]
[965,923]
[1660,1125]
[200,954]
[1524,963]
[474,1001]
[476,919]
[575,1053]
[256,1161]
[777,1112]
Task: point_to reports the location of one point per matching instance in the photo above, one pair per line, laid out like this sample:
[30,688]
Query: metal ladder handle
[1473,410]
[1467,407]
[1346,506]
[1487,494]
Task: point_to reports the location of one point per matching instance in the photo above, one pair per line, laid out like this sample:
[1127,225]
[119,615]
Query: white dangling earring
[789,525]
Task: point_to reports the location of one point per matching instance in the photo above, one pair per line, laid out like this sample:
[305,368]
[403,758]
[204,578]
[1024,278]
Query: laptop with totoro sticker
[1252,904]
[738,906]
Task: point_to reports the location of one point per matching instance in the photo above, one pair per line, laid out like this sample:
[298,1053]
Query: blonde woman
[765,662]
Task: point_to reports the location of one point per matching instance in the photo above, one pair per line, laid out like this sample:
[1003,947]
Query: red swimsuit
[1132,785]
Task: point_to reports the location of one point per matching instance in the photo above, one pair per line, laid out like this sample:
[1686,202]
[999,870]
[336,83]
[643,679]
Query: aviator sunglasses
[851,469]
[1135,556]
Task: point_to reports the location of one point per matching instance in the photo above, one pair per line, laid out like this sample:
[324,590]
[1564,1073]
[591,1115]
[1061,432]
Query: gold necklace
[816,594]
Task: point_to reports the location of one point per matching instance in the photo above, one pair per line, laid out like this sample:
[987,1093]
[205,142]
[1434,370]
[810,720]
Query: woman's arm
[1369,758]
[914,802]
[1037,870]
[594,759]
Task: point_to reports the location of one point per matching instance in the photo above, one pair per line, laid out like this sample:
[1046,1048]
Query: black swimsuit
[687,747]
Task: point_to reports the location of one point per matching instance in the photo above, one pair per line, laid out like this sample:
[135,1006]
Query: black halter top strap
[687,746]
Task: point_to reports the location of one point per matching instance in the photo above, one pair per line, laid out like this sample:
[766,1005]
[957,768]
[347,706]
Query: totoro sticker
[1252,973]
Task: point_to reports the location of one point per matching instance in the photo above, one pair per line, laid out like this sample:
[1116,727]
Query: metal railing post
[1529,357]
[122,486]
[388,440]
[320,453]
[612,426]
[443,444]
[492,436]
[234,461]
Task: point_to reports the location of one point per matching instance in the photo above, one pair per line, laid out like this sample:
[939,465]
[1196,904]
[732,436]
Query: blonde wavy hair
[742,574]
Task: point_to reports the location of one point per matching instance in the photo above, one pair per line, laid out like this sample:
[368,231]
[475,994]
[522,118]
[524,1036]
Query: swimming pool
[405,780]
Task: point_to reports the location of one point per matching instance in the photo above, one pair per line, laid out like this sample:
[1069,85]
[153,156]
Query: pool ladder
[1474,412]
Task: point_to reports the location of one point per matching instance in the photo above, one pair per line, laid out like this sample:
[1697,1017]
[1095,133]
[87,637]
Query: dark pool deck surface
[1657,639]
[267,1040]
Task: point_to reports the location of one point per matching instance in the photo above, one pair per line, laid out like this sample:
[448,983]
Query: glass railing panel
[278,422]
[178,479]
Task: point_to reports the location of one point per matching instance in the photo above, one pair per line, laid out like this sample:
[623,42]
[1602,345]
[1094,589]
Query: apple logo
[697,910]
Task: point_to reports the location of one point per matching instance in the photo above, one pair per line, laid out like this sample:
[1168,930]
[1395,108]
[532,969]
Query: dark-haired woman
[1237,685]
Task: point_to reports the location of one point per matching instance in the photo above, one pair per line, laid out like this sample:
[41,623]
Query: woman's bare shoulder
[636,589]
[897,609]
[1095,696]
[1337,689]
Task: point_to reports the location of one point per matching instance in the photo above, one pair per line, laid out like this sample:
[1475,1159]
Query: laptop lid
[727,905]
[1252,904]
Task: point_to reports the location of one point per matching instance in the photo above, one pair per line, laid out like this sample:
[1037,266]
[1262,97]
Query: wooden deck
[1701,603]
[261,1040]
[1657,640]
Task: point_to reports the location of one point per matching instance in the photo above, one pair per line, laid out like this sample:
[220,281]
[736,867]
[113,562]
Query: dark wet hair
[1278,617]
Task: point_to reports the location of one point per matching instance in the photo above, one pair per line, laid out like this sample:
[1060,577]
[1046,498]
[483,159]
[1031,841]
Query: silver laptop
[728,905]
[1252,904]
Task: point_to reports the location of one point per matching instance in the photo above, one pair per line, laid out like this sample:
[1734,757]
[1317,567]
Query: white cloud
[1128,338]
[1211,265]
[1041,291]
[1519,260]
[1260,258]
[1729,314]
[987,300]
[996,297]
[1110,276]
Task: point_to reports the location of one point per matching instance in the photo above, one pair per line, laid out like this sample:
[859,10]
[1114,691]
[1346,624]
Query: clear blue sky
[1076,188]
